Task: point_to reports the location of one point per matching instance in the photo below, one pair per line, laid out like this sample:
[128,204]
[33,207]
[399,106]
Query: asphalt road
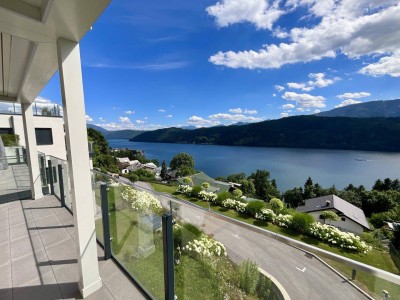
[302,277]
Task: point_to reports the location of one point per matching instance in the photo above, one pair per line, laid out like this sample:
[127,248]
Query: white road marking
[236,236]
[301,270]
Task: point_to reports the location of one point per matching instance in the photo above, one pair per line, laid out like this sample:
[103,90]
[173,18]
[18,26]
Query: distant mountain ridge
[375,134]
[116,134]
[371,109]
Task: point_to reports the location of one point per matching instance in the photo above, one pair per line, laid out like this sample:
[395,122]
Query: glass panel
[97,180]
[136,232]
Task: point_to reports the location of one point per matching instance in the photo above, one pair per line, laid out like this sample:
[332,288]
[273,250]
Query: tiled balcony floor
[38,256]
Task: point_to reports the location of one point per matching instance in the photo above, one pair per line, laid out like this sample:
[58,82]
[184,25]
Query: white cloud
[316,80]
[124,120]
[279,88]
[388,65]
[353,95]
[161,110]
[317,111]
[195,120]
[300,109]
[120,126]
[235,110]
[354,28]
[288,106]
[305,100]
[262,13]
[129,112]
[273,95]
[234,117]
[139,122]
[101,119]
[250,111]
[347,102]
[168,116]
[88,118]
[284,115]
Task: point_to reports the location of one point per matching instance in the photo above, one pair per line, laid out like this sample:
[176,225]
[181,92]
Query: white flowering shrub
[283,220]
[205,246]
[207,196]
[141,201]
[266,214]
[184,189]
[234,204]
[333,235]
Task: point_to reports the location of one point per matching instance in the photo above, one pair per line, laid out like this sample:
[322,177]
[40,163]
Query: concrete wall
[57,127]
[347,225]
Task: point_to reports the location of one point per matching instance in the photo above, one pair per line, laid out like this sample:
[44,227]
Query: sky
[155,64]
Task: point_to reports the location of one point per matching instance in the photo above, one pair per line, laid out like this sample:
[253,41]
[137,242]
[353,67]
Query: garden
[202,267]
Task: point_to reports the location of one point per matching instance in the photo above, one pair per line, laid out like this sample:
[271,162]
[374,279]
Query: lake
[289,166]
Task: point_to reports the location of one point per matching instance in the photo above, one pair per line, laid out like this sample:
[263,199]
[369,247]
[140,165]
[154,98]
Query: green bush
[223,196]
[301,222]
[237,193]
[276,205]
[248,276]
[133,177]
[185,233]
[196,190]
[205,185]
[10,140]
[378,219]
[254,207]
[263,287]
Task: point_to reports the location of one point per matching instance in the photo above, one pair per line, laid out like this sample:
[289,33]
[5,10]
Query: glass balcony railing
[174,249]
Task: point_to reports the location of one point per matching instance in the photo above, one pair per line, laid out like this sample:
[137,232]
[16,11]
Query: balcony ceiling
[29,30]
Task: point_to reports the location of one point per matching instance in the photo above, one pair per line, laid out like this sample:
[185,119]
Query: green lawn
[375,258]
[193,278]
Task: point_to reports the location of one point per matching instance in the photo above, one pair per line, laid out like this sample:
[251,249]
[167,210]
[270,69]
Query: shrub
[187,180]
[237,193]
[301,222]
[284,220]
[196,190]
[184,189]
[263,287]
[207,196]
[205,185]
[248,276]
[205,246]
[330,215]
[223,196]
[266,214]
[255,207]
[276,205]
[185,233]
[10,139]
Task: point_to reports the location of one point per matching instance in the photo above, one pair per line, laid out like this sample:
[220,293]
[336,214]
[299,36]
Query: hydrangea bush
[283,220]
[205,246]
[266,214]
[234,204]
[184,189]
[141,201]
[208,196]
[333,235]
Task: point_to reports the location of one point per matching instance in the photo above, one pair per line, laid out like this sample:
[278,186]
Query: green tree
[102,155]
[164,171]
[329,215]
[308,189]
[264,189]
[294,197]
[247,187]
[46,111]
[236,177]
[183,163]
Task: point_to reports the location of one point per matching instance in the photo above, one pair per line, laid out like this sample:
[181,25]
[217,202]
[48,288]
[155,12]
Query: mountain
[375,134]
[98,128]
[116,134]
[372,109]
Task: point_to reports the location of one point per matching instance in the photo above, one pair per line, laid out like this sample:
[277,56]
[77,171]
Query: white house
[150,167]
[123,160]
[351,217]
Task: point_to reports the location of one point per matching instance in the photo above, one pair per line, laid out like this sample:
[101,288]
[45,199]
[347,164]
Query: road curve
[302,276]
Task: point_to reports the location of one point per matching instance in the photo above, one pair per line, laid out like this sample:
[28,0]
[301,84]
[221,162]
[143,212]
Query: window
[44,136]
[6,131]
[343,219]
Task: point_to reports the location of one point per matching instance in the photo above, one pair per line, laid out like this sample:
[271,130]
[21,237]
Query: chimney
[328,203]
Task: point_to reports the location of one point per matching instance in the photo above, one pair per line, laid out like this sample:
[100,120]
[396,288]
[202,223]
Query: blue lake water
[290,167]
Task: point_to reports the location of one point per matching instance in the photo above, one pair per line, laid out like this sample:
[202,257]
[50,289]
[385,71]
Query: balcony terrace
[39,255]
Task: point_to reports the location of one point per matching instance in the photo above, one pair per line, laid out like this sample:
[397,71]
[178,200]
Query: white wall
[57,127]
[347,225]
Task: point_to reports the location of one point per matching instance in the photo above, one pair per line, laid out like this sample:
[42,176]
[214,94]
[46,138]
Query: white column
[31,151]
[69,62]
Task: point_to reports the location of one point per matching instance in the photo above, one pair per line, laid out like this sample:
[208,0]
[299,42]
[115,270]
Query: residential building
[352,218]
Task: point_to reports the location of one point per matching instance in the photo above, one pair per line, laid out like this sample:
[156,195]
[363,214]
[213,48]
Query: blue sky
[154,64]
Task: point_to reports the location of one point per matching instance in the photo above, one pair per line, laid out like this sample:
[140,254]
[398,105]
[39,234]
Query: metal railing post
[168,255]
[51,177]
[106,221]
[61,180]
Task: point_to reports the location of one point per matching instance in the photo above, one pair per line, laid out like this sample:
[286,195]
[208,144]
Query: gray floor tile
[6,280]
[6,294]
[18,232]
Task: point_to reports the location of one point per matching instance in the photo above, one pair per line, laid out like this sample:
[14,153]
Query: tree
[329,215]
[164,171]
[308,189]
[46,111]
[183,163]
[264,189]
[102,157]
[294,197]
[247,187]
[236,177]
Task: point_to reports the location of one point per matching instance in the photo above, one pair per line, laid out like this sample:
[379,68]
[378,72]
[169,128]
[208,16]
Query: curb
[278,286]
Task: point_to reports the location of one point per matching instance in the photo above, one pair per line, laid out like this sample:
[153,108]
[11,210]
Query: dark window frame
[44,136]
